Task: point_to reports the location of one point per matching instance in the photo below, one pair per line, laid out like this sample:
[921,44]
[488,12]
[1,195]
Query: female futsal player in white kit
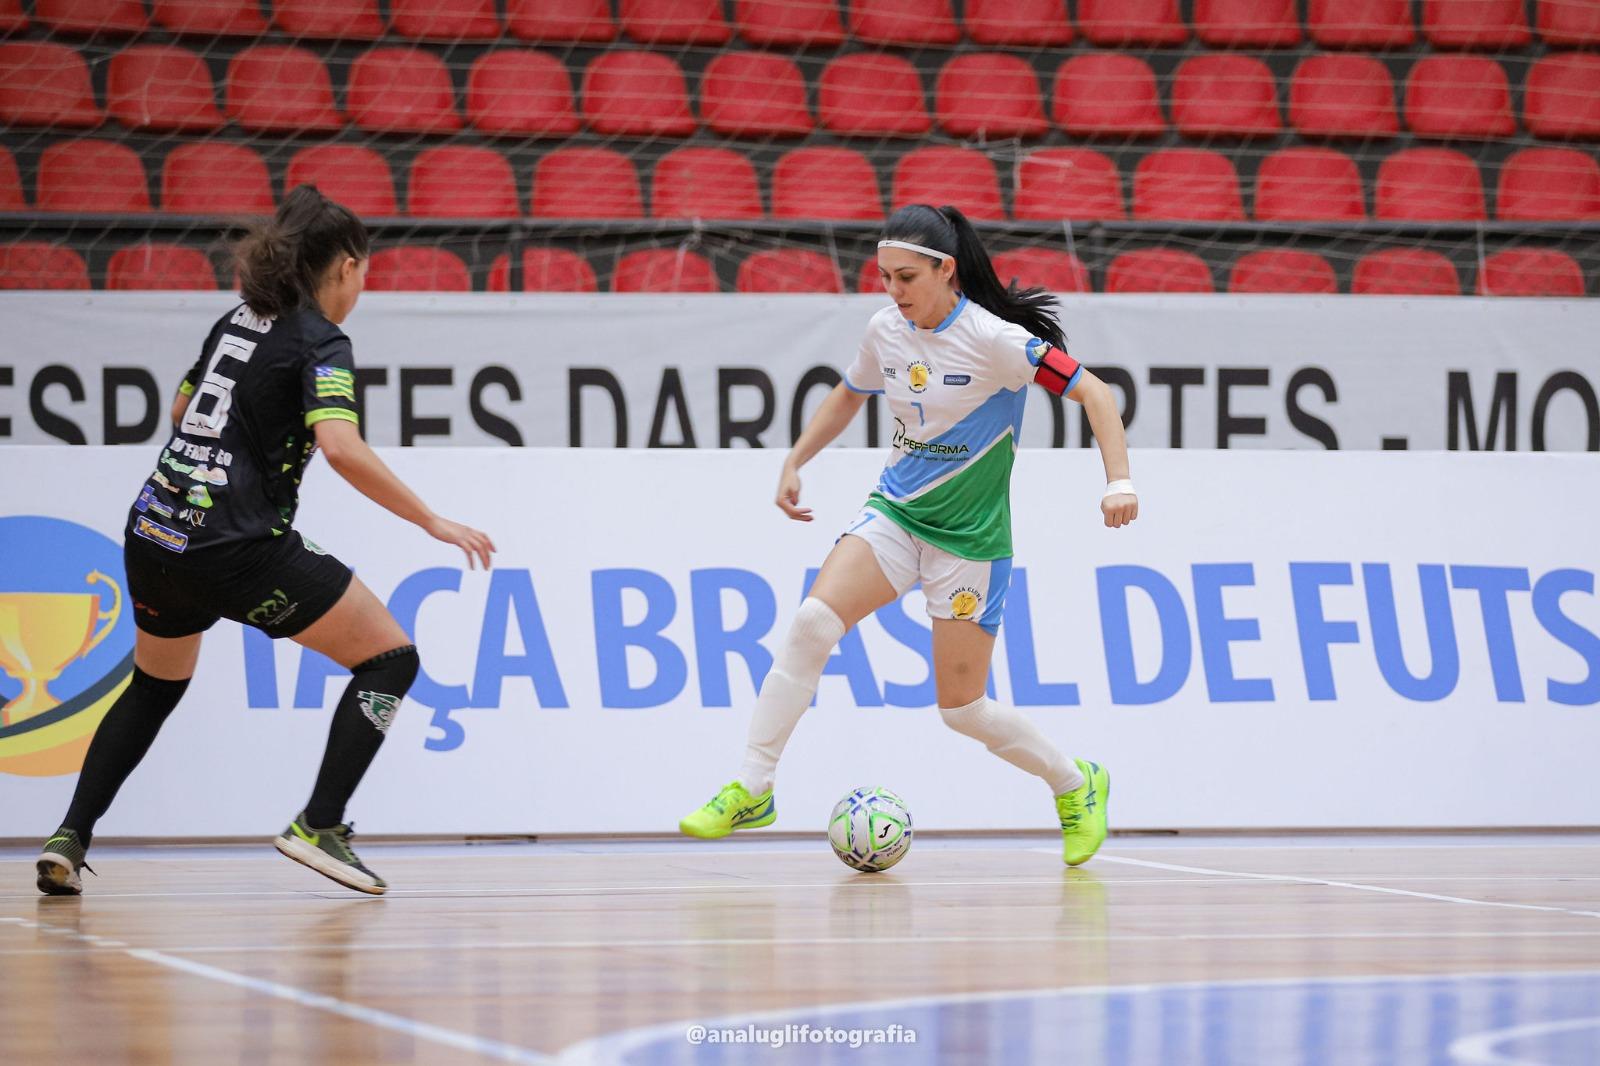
[953,357]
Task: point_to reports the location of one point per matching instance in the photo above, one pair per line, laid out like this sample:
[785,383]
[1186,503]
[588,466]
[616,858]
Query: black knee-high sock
[359,723]
[125,734]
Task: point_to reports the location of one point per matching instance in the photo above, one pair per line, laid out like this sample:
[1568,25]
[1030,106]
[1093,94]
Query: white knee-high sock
[1006,732]
[787,691]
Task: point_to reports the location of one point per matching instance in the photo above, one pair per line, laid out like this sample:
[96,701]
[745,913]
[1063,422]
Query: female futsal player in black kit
[210,535]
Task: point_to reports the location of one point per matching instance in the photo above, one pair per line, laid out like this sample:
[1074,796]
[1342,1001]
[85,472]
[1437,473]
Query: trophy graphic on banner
[43,633]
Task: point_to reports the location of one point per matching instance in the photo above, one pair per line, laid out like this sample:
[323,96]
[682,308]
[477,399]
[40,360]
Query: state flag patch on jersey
[334,383]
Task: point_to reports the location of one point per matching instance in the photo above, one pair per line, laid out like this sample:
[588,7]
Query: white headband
[916,248]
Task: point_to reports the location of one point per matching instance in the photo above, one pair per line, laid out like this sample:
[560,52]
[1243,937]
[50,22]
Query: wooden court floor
[1325,950]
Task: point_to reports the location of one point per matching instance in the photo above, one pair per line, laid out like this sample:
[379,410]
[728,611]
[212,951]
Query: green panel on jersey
[968,516]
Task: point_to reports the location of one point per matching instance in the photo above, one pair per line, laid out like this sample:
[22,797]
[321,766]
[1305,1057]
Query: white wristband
[1124,486]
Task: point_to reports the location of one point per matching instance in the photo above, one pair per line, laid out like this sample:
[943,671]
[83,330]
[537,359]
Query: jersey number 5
[208,408]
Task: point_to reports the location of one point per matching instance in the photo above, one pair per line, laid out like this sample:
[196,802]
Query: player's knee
[396,668]
[156,695]
[970,719]
[812,636]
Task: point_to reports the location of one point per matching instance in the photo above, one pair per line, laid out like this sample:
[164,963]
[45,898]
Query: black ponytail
[281,262]
[947,230]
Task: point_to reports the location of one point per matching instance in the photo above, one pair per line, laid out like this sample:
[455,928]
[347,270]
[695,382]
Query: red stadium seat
[86,17]
[417,268]
[343,20]
[160,266]
[161,88]
[37,265]
[545,270]
[1187,184]
[754,94]
[520,92]
[1548,185]
[586,183]
[14,20]
[1429,185]
[989,94]
[12,197]
[1459,96]
[872,95]
[1225,96]
[278,89]
[1405,272]
[444,20]
[1568,23]
[561,21]
[638,94]
[1107,95]
[45,85]
[1304,184]
[1496,24]
[1042,268]
[460,181]
[1076,183]
[664,270]
[215,179]
[1360,23]
[1530,272]
[675,21]
[209,18]
[356,177]
[1159,270]
[91,177]
[1247,23]
[939,175]
[705,183]
[788,270]
[1282,270]
[1026,23]
[1342,96]
[1118,23]
[786,24]
[903,22]
[402,90]
[826,183]
[1563,97]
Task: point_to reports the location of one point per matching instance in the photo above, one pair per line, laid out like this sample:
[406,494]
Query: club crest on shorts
[379,707]
[918,374]
[964,602]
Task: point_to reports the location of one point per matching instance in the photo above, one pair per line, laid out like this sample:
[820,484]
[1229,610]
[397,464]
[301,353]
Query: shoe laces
[720,801]
[342,835]
[1070,811]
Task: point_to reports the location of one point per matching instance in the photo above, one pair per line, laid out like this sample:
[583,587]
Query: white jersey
[956,393]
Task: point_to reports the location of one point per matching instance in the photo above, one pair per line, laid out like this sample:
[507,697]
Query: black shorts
[280,586]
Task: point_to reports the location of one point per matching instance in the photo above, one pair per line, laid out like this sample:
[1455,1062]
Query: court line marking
[417,1030]
[610,1048]
[1349,884]
[1478,1049]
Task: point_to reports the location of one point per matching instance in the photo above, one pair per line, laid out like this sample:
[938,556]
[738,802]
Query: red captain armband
[1057,371]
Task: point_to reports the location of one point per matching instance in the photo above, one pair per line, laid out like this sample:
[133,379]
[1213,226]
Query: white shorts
[963,589]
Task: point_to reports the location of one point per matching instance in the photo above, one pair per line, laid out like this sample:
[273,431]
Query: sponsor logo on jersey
[926,449]
[272,610]
[918,374]
[165,482]
[170,539]
[192,515]
[958,379]
[147,502]
[66,644]
[890,372]
[964,602]
[199,496]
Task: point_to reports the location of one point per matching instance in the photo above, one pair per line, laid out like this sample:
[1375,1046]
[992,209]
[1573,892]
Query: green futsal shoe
[732,808]
[1083,814]
[328,852]
[59,862]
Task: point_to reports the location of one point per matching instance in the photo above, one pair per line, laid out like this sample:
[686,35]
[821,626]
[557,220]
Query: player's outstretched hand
[788,500]
[476,544]
[1120,509]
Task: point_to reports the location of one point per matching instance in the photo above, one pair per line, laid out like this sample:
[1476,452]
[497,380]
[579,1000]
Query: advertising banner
[1282,639]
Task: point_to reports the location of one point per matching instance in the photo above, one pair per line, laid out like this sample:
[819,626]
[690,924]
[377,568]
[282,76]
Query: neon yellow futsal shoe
[732,808]
[1083,814]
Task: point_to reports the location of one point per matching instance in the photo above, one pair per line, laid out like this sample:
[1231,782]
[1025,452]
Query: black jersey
[231,473]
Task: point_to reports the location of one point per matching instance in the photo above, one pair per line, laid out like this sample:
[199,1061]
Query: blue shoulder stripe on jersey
[863,392]
[982,425]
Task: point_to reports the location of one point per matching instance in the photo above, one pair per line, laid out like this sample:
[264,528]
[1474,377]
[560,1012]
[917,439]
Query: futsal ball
[870,829]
